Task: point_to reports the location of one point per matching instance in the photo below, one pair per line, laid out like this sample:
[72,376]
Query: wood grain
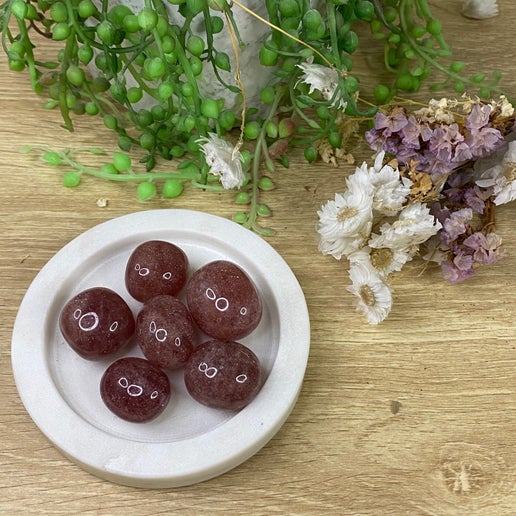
[413,417]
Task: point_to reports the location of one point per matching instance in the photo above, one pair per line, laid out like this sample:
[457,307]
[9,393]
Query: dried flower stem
[489,217]
[239,83]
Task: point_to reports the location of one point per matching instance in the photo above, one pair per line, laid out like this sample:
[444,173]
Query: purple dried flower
[460,190]
[481,138]
[463,262]
[393,144]
[375,139]
[478,117]
[391,123]
[484,141]
[439,148]
[441,213]
[474,199]
[405,154]
[454,188]
[447,143]
[440,144]
[386,134]
[412,132]
[435,167]
[462,152]
[486,248]
[456,224]
[453,273]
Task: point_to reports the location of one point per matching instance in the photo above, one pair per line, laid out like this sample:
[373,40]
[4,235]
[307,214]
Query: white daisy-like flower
[340,246]
[373,293]
[382,259]
[479,9]
[345,223]
[323,79]
[223,160]
[350,214]
[501,177]
[360,181]
[390,191]
[414,226]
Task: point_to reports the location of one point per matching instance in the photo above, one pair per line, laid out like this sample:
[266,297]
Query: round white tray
[188,442]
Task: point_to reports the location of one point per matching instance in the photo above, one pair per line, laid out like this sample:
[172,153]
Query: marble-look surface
[252,32]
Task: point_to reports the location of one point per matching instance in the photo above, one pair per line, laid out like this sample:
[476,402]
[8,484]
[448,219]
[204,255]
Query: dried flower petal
[415,224]
[374,295]
[390,191]
[501,177]
[453,274]
[480,9]
[487,248]
[456,224]
[345,222]
[223,160]
[384,260]
[323,79]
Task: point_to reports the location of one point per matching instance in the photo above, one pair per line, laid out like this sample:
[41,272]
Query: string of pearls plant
[222,89]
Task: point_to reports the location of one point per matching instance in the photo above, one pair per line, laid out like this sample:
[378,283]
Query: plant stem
[251,222]
[404,4]
[63,82]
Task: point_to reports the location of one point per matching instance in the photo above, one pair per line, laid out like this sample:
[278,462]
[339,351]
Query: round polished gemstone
[223,374]
[165,332]
[96,322]
[154,268]
[135,390]
[223,301]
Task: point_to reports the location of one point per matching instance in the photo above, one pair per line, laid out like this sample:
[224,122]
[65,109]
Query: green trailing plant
[146,83]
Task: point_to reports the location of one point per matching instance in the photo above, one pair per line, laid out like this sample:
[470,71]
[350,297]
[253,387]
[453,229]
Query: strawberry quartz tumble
[165,332]
[155,268]
[135,390]
[96,323]
[223,301]
[223,375]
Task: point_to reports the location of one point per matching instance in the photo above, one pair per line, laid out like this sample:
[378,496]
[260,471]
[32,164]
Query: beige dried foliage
[332,155]
[348,129]
[422,188]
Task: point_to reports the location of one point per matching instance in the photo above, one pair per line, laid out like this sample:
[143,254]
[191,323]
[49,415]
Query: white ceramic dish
[188,442]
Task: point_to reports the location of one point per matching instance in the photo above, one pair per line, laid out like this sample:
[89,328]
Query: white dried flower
[345,226]
[384,260]
[479,9]
[390,192]
[501,177]
[350,214]
[442,103]
[223,159]
[503,104]
[341,245]
[345,223]
[323,79]
[414,226]
[359,181]
[436,111]
[373,293]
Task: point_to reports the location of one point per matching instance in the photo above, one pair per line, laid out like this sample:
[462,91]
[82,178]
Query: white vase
[253,75]
[252,31]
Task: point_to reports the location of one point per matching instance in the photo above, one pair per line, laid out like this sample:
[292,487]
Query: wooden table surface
[414,416]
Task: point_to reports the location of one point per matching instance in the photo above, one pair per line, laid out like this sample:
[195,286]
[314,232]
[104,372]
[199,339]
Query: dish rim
[140,464]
